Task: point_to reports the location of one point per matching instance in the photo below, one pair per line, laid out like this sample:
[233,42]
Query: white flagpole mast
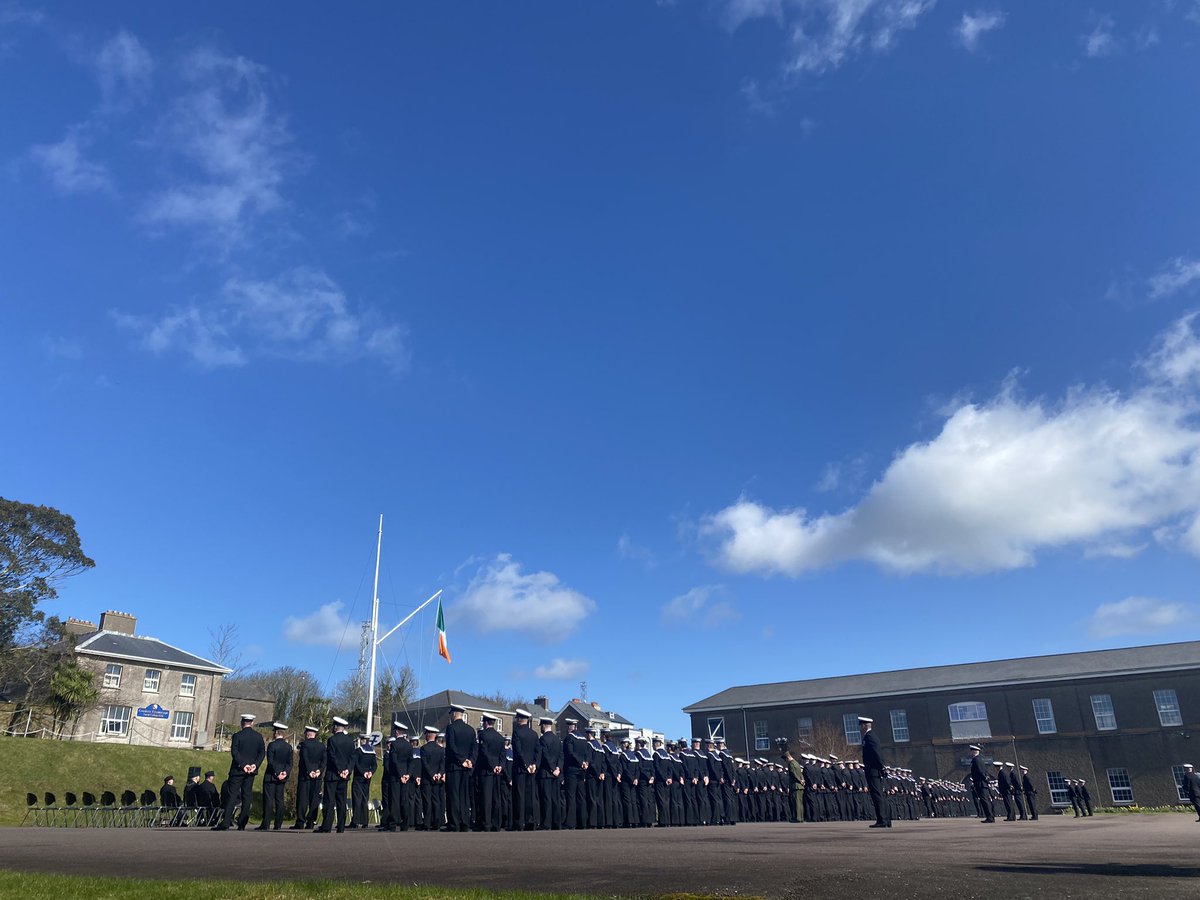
[374,630]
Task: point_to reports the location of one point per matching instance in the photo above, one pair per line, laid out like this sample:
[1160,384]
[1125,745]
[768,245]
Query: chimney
[79,627]
[120,622]
[543,702]
[596,705]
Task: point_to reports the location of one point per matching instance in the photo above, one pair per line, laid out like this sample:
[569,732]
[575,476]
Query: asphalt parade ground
[1151,856]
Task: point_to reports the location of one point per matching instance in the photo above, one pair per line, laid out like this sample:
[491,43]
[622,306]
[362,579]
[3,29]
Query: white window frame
[899,719]
[716,731]
[804,729]
[1103,712]
[112,675]
[187,685]
[852,731]
[182,722]
[965,718]
[1167,703]
[1046,723]
[151,681]
[1179,773]
[762,736]
[1059,795]
[1118,776]
[115,715]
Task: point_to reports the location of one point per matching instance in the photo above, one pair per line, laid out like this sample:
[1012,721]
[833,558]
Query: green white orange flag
[443,650]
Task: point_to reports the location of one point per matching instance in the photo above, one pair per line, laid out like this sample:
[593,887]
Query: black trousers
[1008,807]
[662,802]
[730,797]
[549,795]
[524,800]
[458,799]
[1031,804]
[360,793]
[575,794]
[272,801]
[308,794]
[983,800]
[333,799]
[241,790]
[433,804]
[875,788]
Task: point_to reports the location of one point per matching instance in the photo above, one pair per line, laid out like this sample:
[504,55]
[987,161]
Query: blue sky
[682,344]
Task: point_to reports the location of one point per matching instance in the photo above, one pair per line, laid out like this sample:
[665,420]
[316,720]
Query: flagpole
[374,630]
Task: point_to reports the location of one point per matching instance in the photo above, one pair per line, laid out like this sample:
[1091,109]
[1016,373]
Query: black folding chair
[71,812]
[32,810]
[88,810]
[106,815]
[51,810]
[126,817]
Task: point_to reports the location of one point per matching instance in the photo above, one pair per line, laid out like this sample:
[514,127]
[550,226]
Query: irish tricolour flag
[443,650]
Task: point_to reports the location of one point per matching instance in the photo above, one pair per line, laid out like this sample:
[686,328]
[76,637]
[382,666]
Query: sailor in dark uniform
[1030,793]
[644,785]
[488,771]
[433,781]
[504,800]
[1191,787]
[210,799]
[873,763]
[247,750]
[275,776]
[527,756]
[397,782]
[979,784]
[413,785]
[664,782]
[168,798]
[549,775]
[1085,796]
[1014,790]
[728,785]
[460,764]
[577,759]
[339,764]
[311,774]
[365,765]
[191,790]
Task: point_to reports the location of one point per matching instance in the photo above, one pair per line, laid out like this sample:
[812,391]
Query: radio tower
[364,658]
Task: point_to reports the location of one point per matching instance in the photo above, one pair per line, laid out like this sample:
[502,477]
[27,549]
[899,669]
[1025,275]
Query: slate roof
[1003,672]
[585,712]
[144,649]
[442,699]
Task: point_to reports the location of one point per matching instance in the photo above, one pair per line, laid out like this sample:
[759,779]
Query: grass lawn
[40,765]
[54,887]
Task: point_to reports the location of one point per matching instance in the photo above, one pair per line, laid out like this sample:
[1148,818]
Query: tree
[39,547]
[223,649]
[826,738]
[396,691]
[72,690]
[504,701]
[296,691]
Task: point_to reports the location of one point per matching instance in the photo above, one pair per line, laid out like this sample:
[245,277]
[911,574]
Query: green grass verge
[39,765]
[54,887]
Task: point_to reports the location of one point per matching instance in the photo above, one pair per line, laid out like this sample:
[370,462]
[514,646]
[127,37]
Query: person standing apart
[873,762]
[1030,793]
[979,784]
[247,750]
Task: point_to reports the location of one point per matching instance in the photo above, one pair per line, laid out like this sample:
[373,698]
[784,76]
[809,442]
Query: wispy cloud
[700,606]
[60,347]
[303,316]
[1100,41]
[503,598]
[627,548]
[123,69]
[1177,275]
[67,166]
[1007,478]
[974,26]
[327,627]
[559,669]
[1138,616]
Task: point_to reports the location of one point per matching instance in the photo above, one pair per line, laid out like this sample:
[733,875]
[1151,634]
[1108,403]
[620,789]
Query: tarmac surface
[1130,856]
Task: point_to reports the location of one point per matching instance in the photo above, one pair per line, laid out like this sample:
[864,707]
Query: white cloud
[737,12]
[233,146]
[60,347]
[123,69]
[974,25]
[327,627]
[700,606]
[1137,615]
[559,669]
[1100,41]
[628,549]
[502,598]
[1005,479]
[303,315]
[1175,276]
[67,166]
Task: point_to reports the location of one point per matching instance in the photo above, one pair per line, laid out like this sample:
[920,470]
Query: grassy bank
[38,765]
[53,887]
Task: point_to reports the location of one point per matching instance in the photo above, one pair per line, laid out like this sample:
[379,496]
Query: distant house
[435,710]
[151,693]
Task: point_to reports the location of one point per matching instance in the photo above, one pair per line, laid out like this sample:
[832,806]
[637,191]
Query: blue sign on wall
[153,711]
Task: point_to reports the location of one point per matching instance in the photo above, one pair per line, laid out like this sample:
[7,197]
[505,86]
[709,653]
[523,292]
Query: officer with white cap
[279,767]
[247,750]
[308,784]
[339,754]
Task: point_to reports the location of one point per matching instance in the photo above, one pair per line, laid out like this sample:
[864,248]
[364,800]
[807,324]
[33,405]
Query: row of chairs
[131,812]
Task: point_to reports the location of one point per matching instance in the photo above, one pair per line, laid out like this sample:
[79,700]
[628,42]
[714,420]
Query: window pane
[115,720]
[151,681]
[181,726]
[969,721]
[112,675]
[1043,711]
[1120,785]
[716,728]
[804,728]
[850,726]
[187,686]
[762,738]
[1058,789]
[1102,709]
[1168,707]
[1178,773]
[899,725]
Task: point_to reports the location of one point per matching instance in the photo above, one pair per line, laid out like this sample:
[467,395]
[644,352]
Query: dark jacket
[871,756]
[433,760]
[247,748]
[279,759]
[550,756]
[339,755]
[460,744]
[491,750]
[312,758]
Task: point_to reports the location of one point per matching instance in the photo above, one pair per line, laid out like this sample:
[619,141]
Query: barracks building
[1124,720]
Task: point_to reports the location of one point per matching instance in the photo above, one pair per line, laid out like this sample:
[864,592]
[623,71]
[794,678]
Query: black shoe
[297,827]
[341,830]
[262,828]
[878,825]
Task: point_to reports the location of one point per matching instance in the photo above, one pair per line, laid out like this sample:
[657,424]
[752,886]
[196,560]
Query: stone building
[151,693]
[1122,720]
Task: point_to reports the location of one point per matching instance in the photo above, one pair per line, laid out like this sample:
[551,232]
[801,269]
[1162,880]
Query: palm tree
[72,690]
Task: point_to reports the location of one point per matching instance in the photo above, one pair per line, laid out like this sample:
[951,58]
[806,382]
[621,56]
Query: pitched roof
[144,649]
[996,673]
[585,712]
[442,699]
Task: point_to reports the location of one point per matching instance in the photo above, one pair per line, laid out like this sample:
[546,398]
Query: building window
[899,726]
[115,720]
[181,726]
[150,683]
[762,738]
[1179,773]
[969,720]
[187,686]
[1059,795]
[716,728]
[112,676]
[804,729]
[1120,785]
[1102,709]
[1168,707]
[1043,711]
[850,726]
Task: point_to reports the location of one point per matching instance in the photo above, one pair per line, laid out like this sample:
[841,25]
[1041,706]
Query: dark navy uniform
[549,776]
[433,782]
[308,782]
[339,764]
[526,756]
[247,750]
[279,769]
[460,760]
[365,765]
